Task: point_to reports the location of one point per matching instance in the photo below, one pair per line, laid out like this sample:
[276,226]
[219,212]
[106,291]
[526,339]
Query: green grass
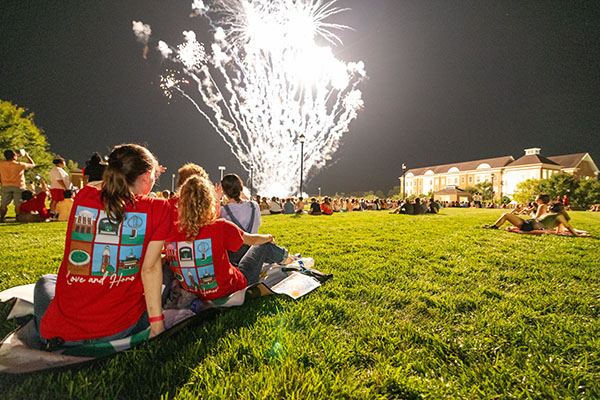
[419,307]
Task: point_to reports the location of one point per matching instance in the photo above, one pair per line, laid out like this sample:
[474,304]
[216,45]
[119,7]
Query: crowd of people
[124,242]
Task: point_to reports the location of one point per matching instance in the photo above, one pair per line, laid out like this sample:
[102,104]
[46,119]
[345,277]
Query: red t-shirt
[37,203]
[99,289]
[202,266]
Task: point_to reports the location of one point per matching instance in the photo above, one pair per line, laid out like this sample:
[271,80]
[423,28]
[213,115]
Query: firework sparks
[275,84]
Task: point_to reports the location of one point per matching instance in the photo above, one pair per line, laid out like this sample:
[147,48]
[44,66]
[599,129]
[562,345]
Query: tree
[559,185]
[486,190]
[18,131]
[586,194]
[527,190]
[379,194]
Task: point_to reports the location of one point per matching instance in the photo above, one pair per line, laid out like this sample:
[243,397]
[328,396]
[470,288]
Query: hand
[162,168]
[156,328]
[271,239]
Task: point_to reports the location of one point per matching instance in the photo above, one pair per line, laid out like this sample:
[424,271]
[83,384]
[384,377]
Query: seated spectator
[299,206]
[326,206]
[335,205]
[349,205]
[63,208]
[274,206]
[432,207]
[264,207]
[94,168]
[33,207]
[288,207]
[315,207]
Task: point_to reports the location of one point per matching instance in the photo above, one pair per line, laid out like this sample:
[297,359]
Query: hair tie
[116,163]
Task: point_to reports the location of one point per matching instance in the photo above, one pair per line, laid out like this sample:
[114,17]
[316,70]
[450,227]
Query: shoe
[490,227]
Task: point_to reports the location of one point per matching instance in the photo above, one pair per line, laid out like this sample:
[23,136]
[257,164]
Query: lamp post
[319,193]
[403,181]
[172,183]
[221,168]
[251,182]
[302,139]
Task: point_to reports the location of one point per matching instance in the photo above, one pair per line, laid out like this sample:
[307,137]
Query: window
[493,177]
[470,179]
[462,179]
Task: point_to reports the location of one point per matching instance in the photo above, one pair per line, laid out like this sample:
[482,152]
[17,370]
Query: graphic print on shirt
[107,231]
[84,224]
[129,260]
[79,258]
[192,264]
[134,228]
[105,259]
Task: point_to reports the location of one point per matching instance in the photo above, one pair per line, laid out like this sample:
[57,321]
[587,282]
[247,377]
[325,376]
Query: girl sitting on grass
[557,218]
[199,258]
[109,282]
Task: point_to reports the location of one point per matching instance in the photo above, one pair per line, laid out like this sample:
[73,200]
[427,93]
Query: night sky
[449,81]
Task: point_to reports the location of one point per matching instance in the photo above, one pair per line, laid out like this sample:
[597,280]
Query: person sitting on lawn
[106,287]
[64,207]
[326,206]
[33,206]
[299,206]
[288,207]
[557,218]
[274,206]
[243,213]
[433,207]
[212,275]
[315,207]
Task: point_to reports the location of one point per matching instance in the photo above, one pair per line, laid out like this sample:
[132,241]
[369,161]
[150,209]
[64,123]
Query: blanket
[19,350]
[514,229]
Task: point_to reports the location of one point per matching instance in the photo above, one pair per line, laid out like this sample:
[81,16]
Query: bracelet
[156,319]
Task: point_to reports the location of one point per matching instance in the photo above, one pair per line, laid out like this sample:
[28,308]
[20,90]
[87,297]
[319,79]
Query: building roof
[452,190]
[568,160]
[464,166]
[532,159]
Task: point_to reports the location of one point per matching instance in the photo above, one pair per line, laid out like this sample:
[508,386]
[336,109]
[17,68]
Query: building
[505,173]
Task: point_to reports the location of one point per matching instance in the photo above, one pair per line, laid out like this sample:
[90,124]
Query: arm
[30,163]
[152,281]
[43,185]
[565,224]
[252,239]
[541,210]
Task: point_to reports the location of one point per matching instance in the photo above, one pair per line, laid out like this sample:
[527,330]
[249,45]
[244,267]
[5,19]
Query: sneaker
[490,227]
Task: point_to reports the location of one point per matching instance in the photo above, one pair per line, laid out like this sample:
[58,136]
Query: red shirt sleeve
[233,237]
[163,222]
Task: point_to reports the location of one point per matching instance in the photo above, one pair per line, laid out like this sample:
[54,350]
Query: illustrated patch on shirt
[192,263]
[100,247]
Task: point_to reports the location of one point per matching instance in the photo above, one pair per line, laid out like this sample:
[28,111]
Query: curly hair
[197,206]
[188,170]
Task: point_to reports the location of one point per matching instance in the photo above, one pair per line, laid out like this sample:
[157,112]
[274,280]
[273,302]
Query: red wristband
[156,319]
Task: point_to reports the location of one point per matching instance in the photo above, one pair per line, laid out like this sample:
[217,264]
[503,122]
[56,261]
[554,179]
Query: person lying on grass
[557,218]
[200,241]
[109,283]
[537,209]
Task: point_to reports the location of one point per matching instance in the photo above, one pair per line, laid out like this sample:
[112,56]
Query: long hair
[125,164]
[197,206]
[232,186]
[559,208]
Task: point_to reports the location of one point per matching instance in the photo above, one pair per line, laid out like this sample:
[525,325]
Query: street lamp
[221,168]
[302,139]
[403,181]
[173,183]
[319,193]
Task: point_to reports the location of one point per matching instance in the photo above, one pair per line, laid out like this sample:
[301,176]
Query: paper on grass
[296,285]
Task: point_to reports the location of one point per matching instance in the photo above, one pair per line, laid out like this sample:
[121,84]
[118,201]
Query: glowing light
[275,83]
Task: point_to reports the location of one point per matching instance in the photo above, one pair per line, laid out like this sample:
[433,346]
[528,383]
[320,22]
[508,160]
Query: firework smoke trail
[275,84]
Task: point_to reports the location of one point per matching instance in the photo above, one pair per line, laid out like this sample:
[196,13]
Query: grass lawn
[419,307]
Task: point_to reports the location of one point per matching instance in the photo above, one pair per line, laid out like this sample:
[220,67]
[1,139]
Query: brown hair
[125,164]
[188,170]
[232,186]
[197,206]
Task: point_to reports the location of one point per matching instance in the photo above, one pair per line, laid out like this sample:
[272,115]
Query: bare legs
[512,218]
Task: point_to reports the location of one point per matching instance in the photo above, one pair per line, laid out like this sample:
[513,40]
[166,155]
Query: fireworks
[275,83]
